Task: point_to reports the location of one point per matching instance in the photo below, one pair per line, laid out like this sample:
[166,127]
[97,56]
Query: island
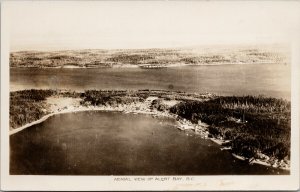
[150,58]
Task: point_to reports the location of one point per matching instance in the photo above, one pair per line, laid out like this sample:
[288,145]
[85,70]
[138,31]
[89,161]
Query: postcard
[155,95]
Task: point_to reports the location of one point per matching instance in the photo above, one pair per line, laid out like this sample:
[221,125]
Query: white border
[93,183]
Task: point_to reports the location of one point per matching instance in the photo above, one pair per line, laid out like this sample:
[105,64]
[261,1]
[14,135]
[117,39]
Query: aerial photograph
[128,89]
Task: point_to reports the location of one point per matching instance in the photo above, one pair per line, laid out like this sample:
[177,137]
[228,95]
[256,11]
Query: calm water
[263,79]
[94,143]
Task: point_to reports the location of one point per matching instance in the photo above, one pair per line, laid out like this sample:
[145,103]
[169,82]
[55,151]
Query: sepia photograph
[143,93]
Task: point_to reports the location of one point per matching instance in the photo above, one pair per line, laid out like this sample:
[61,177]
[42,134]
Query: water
[112,143]
[106,143]
[261,79]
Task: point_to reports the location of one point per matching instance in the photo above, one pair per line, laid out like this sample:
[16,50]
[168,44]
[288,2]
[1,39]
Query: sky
[55,25]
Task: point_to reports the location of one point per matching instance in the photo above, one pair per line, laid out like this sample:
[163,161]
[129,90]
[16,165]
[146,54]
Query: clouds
[136,24]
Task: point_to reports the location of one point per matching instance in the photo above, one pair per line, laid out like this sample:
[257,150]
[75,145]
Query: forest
[253,124]
[112,98]
[99,58]
[27,106]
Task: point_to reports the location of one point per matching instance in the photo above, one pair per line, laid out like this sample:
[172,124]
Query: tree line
[252,123]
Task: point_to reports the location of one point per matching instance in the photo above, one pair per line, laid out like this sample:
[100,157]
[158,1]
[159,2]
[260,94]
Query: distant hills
[147,58]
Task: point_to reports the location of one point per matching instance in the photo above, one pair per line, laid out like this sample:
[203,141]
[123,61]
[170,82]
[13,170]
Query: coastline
[44,118]
[72,107]
[252,160]
[146,66]
[182,124]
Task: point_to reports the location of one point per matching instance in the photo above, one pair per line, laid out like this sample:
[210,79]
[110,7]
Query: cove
[114,143]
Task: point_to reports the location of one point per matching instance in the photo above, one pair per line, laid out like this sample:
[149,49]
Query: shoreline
[252,160]
[104,109]
[44,118]
[145,66]
[61,105]
[89,108]
[183,125]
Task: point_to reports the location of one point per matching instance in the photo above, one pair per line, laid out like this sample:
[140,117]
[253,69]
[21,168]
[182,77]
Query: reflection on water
[258,79]
[113,143]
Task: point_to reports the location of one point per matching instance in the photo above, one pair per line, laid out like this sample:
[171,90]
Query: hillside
[147,58]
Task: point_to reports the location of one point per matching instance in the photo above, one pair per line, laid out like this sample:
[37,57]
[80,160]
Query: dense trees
[27,106]
[252,123]
[130,59]
[149,57]
[112,98]
[158,105]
